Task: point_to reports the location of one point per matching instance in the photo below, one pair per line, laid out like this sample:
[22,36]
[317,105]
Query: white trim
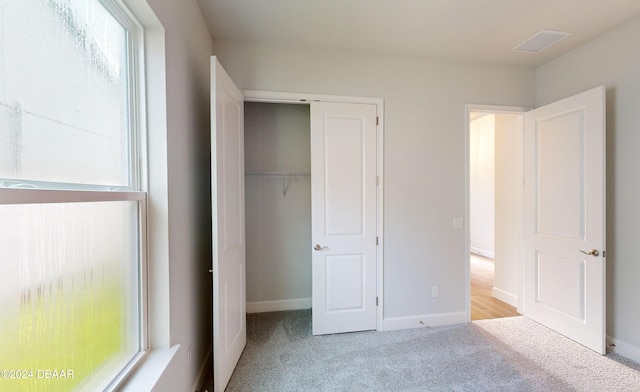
[505,296]
[146,375]
[496,109]
[427,320]
[156,183]
[36,196]
[280,305]
[203,374]
[467,192]
[623,348]
[380,213]
[152,101]
[306,98]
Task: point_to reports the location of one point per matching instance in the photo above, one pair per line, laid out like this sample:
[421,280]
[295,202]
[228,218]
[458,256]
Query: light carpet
[509,354]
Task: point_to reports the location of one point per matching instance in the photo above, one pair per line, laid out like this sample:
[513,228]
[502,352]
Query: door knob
[591,252]
[318,247]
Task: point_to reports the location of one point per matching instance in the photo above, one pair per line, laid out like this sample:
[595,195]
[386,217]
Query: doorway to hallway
[483,304]
[495,211]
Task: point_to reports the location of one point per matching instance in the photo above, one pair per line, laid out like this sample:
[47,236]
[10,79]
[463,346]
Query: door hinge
[377,120]
[376,241]
[376,301]
[377,180]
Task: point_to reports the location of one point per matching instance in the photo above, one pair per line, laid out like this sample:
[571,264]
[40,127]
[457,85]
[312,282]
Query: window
[72,195]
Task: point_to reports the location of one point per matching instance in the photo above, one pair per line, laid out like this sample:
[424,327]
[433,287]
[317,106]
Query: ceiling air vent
[541,41]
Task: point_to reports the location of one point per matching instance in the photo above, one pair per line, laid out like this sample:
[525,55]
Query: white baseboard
[431,320]
[203,374]
[505,296]
[482,252]
[622,348]
[277,306]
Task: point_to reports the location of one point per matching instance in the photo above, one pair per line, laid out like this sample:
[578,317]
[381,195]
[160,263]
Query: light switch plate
[457,222]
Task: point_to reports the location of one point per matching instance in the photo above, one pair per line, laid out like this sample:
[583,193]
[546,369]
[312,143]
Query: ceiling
[483,31]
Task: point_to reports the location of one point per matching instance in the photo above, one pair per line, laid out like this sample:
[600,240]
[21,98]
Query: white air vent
[541,41]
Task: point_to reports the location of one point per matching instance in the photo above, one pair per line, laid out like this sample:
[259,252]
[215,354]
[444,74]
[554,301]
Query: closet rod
[278,174]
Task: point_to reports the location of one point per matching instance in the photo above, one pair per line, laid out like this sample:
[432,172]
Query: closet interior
[277,206]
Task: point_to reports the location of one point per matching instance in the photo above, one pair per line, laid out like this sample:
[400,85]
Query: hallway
[483,304]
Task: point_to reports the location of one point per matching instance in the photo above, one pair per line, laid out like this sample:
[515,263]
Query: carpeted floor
[509,354]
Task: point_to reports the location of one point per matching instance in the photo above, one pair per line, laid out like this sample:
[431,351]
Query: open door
[564,233]
[227,196]
[343,193]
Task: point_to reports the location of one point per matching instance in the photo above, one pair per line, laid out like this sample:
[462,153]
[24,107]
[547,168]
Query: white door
[564,270]
[343,192]
[227,194]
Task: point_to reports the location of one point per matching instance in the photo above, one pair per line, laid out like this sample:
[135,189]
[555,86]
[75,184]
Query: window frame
[23,192]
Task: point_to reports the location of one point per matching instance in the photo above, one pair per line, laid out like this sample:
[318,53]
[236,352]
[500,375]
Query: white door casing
[343,191]
[228,225]
[564,288]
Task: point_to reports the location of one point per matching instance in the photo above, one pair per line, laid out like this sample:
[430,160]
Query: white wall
[482,184]
[424,174]
[188,50]
[612,60]
[278,226]
[509,206]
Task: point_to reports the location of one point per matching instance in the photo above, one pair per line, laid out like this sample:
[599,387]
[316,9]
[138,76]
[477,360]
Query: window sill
[147,374]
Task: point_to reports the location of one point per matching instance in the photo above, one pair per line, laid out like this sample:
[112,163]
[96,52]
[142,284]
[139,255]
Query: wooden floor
[483,304]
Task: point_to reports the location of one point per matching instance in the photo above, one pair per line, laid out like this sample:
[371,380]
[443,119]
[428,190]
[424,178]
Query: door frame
[493,109]
[307,99]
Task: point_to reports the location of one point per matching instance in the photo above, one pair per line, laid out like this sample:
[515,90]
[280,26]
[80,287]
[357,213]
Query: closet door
[228,230]
[343,192]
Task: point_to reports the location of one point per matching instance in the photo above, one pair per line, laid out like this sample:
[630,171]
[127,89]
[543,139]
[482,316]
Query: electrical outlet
[189,359]
[434,292]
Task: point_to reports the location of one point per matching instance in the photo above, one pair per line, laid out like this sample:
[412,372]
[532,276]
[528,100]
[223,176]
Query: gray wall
[424,157]
[278,226]
[188,51]
[509,206]
[612,60]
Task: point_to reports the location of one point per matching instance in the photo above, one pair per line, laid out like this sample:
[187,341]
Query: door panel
[564,288]
[227,193]
[560,166]
[344,176]
[561,284]
[343,188]
[344,282]
[232,171]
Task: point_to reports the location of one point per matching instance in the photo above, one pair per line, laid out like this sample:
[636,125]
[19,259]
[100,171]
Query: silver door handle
[318,247]
[591,252]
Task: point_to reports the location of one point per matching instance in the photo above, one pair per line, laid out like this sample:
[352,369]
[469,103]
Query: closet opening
[277,155]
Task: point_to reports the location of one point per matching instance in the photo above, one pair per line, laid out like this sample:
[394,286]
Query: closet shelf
[286,176]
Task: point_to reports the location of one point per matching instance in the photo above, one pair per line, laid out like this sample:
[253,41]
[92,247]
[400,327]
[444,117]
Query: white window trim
[47,196]
[157,359]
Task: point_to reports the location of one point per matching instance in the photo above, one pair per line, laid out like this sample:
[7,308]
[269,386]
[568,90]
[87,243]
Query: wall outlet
[434,292]
[189,359]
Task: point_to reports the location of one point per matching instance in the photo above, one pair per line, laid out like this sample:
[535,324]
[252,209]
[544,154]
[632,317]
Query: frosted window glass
[63,93]
[68,292]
